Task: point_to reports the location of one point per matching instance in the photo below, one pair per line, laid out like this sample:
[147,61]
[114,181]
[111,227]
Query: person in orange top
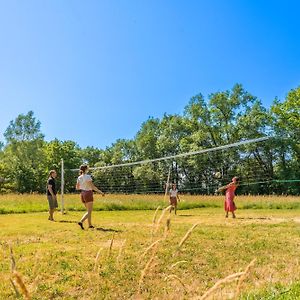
[229,189]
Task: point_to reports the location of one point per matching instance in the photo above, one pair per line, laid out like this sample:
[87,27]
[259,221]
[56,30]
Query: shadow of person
[108,229]
[254,218]
[182,215]
[67,221]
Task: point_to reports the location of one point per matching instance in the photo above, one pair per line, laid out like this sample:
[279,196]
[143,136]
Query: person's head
[174,186]
[83,169]
[52,174]
[235,180]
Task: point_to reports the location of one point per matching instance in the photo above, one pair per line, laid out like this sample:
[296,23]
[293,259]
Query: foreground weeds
[197,254]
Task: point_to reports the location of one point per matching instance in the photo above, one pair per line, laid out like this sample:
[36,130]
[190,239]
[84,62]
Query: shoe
[91,226]
[81,225]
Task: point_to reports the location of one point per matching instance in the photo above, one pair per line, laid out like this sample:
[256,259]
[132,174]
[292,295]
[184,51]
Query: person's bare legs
[88,214]
[226,216]
[51,213]
[233,214]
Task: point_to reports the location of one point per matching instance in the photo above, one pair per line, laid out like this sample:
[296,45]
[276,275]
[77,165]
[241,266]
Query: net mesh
[195,172]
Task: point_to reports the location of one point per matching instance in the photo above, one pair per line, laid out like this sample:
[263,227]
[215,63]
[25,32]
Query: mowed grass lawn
[128,256]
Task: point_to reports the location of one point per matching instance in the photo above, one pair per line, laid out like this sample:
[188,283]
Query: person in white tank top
[86,187]
[174,197]
[83,182]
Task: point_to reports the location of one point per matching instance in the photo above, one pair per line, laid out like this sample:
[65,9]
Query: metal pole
[62,186]
[167,184]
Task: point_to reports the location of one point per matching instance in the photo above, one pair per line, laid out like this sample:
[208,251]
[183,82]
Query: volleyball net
[193,172]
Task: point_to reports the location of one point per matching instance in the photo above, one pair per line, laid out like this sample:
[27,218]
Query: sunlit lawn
[58,260]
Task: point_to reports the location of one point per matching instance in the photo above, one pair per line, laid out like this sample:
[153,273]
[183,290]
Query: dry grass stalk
[12,258]
[187,235]
[227,279]
[162,216]
[17,277]
[177,263]
[154,222]
[178,279]
[96,259]
[243,277]
[21,284]
[155,215]
[147,267]
[15,289]
[168,226]
[120,251]
[149,248]
[111,245]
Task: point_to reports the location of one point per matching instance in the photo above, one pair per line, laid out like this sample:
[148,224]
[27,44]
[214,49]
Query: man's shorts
[52,202]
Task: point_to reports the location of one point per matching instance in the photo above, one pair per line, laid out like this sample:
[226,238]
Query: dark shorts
[87,196]
[173,201]
[52,202]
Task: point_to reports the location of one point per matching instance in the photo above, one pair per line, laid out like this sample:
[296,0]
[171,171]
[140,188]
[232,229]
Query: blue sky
[93,71]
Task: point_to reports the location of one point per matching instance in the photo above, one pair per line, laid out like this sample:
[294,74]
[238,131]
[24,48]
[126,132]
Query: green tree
[286,120]
[91,155]
[70,152]
[24,128]
[116,179]
[23,158]
[146,139]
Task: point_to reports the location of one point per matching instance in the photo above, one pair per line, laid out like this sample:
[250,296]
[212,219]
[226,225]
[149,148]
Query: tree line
[223,118]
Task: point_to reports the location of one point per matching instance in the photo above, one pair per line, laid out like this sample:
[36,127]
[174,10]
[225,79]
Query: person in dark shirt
[51,194]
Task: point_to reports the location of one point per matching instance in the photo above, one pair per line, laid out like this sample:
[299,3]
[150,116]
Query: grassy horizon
[27,203]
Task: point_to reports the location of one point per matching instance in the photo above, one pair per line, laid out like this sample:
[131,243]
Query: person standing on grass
[229,189]
[174,197]
[51,194]
[86,186]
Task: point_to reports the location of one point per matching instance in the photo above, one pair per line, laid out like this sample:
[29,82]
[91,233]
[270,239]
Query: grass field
[130,256]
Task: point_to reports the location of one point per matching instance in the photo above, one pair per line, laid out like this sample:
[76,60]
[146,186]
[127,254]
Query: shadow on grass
[107,229]
[96,228]
[67,221]
[179,215]
[251,218]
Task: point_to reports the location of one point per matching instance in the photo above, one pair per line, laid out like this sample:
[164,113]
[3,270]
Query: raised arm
[224,188]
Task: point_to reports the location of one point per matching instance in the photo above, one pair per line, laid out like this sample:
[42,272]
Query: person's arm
[178,197]
[51,191]
[223,188]
[94,188]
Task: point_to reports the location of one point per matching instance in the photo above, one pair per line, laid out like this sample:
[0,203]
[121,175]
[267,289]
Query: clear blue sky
[93,71]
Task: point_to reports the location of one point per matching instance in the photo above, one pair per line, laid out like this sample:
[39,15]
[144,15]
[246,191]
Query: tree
[146,139]
[286,126]
[91,155]
[24,128]
[24,159]
[70,152]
